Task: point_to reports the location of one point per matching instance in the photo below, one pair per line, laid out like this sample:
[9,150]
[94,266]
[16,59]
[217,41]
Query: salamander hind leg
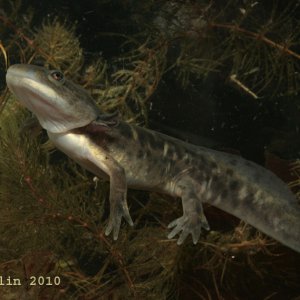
[193,218]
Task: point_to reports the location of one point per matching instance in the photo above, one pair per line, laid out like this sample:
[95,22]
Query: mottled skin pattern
[153,161]
[134,157]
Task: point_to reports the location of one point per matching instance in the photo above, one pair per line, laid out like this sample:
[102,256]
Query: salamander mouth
[31,93]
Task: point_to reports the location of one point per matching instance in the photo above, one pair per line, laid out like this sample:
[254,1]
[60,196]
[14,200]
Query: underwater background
[221,74]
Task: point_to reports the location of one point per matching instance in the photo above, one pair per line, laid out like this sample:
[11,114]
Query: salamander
[134,157]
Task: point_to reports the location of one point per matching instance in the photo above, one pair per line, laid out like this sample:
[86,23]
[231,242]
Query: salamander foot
[189,224]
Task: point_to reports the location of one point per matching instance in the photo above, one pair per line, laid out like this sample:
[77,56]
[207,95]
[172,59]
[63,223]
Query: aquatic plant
[255,48]
[132,86]
[61,46]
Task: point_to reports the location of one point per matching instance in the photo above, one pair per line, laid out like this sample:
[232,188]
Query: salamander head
[59,104]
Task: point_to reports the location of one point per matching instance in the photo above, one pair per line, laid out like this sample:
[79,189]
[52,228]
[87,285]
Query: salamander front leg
[191,222]
[118,203]
[118,190]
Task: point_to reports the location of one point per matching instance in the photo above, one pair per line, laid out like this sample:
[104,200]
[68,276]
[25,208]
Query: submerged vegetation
[53,212]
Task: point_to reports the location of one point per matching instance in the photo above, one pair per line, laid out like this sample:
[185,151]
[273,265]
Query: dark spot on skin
[186,162]
[198,207]
[125,131]
[175,170]
[257,175]
[207,177]
[213,165]
[162,172]
[201,159]
[203,166]
[150,146]
[229,172]
[233,161]
[140,154]
[215,178]
[119,146]
[163,162]
[142,139]
[158,144]
[217,183]
[234,184]
[224,194]
[199,178]
[249,164]
[179,154]
[249,198]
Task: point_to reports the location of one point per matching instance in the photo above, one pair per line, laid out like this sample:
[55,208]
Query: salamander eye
[57,77]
